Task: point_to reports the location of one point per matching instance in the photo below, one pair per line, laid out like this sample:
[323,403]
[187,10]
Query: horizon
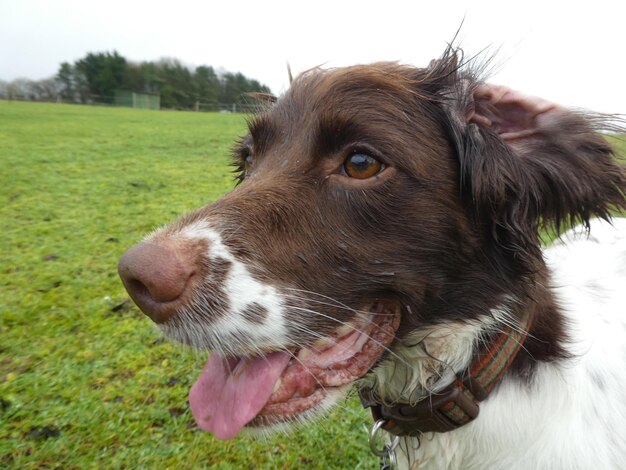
[562,51]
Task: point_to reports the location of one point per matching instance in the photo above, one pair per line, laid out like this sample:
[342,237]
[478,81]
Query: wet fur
[451,236]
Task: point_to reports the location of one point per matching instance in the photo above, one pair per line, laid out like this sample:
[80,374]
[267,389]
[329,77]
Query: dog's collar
[457,404]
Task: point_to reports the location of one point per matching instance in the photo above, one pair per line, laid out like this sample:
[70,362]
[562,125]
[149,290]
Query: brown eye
[361,166]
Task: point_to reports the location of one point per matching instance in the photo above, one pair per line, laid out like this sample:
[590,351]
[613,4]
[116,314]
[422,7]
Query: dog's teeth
[343,330]
[322,344]
[277,385]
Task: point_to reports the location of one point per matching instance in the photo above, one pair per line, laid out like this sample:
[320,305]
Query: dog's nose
[156,277]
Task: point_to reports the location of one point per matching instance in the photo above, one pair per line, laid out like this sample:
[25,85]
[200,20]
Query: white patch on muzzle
[232,328]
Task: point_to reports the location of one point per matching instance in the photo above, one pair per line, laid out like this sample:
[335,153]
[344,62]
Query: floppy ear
[526,164]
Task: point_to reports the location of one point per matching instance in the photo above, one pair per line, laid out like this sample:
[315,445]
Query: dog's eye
[248,162]
[361,166]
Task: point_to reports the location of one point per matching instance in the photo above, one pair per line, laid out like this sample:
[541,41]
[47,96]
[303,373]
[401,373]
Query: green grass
[86,381]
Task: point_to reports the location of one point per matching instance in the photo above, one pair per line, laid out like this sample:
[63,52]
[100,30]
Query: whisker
[334,302]
[349,325]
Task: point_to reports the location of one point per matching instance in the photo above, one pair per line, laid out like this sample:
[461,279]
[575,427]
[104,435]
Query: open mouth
[280,386]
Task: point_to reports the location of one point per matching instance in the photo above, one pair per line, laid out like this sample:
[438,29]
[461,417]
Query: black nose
[156,277]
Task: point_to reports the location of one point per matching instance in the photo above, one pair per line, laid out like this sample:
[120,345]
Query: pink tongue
[230,392]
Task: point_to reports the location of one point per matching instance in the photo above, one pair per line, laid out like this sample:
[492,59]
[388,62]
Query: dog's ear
[528,164]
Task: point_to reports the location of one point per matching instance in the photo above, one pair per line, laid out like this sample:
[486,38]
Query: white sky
[570,52]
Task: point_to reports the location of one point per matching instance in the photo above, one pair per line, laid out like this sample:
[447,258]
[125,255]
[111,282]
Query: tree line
[96,77]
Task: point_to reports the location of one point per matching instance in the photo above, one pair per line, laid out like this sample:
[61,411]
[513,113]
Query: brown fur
[446,232]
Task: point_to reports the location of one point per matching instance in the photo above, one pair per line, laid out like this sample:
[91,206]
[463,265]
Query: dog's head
[373,201]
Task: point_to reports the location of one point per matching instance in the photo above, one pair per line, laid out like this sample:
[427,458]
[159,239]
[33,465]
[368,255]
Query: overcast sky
[570,52]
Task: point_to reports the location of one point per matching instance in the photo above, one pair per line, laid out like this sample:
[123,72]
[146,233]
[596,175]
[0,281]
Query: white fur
[571,416]
[428,359]
[573,413]
[242,291]
[233,328]
[425,361]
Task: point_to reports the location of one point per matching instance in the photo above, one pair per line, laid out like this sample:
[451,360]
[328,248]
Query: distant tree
[229,91]
[207,84]
[142,77]
[73,83]
[132,79]
[98,75]
[65,77]
[235,88]
[152,82]
[48,89]
[103,73]
[20,88]
[178,90]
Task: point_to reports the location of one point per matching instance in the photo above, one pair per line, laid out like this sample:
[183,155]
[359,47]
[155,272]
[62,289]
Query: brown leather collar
[457,404]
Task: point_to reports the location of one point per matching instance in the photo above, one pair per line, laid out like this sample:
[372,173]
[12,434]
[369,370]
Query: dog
[386,231]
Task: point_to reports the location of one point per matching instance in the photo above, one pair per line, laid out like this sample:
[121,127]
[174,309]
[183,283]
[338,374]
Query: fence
[95,100]
[130,99]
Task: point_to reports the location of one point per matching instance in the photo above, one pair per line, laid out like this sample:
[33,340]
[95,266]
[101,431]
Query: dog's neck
[428,359]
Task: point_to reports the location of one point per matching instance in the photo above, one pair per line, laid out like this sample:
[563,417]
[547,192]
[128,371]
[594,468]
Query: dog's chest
[571,413]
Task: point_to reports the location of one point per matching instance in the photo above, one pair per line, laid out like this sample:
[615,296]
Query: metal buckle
[388,453]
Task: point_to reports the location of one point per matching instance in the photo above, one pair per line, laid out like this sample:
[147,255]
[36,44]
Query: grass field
[86,381]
